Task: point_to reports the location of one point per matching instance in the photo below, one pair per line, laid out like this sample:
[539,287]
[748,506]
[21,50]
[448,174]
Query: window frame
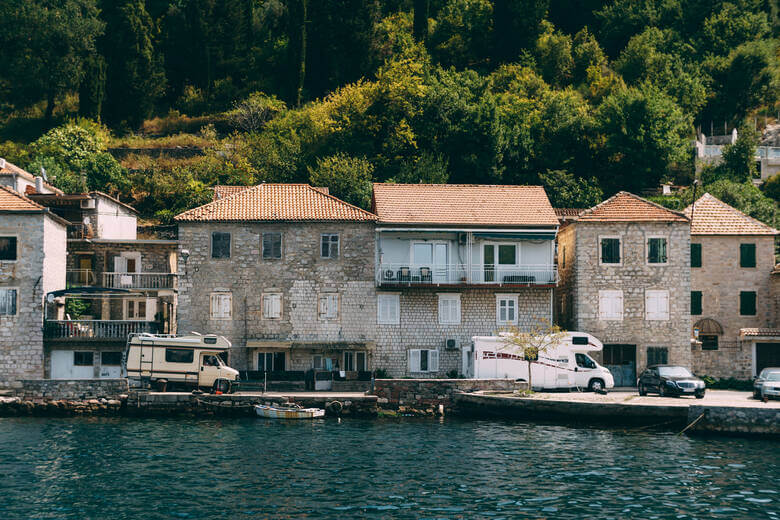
[91,354]
[666,315]
[748,246]
[431,367]
[16,301]
[700,308]
[396,298]
[614,292]
[454,297]
[755,303]
[648,238]
[710,347]
[136,304]
[15,237]
[264,305]
[112,352]
[329,237]
[658,349]
[177,349]
[698,247]
[327,315]
[599,250]
[212,315]
[507,297]
[270,257]
[229,248]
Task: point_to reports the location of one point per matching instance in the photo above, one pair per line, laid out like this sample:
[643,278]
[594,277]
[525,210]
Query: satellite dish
[50,298]
[87,221]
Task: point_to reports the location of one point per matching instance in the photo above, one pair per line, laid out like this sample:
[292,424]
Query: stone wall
[155,258]
[735,420]
[56,389]
[427,393]
[419,326]
[634,276]
[565,292]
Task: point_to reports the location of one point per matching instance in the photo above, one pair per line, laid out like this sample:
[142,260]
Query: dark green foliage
[566,191]
[348,178]
[516,25]
[421,13]
[738,163]
[92,91]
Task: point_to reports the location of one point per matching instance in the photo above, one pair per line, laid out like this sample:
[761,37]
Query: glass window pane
[695,255]
[506,254]
[423,361]
[423,254]
[7,248]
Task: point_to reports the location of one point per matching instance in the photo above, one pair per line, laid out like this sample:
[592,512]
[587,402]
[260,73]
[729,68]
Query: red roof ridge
[708,197]
[22,198]
[602,204]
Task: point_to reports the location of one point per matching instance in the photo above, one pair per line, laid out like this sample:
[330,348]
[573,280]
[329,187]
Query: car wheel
[661,390]
[756,395]
[642,389]
[700,395]
[596,385]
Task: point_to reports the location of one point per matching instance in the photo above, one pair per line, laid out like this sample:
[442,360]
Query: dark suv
[671,380]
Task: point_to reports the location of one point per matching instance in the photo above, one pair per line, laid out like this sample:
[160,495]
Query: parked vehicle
[288,412]
[771,387]
[191,361]
[758,383]
[670,380]
[565,365]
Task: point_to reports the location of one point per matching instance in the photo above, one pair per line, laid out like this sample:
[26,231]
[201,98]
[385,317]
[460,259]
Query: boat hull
[275,412]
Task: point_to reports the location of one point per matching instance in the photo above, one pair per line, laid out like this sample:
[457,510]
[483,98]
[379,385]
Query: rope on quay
[651,425]
[694,422]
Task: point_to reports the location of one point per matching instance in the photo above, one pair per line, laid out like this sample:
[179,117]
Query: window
[656,305]
[657,355]
[272,306]
[136,310]
[354,361]
[709,342]
[388,309]
[83,359]
[271,361]
[449,309]
[656,250]
[610,305]
[563,257]
[506,309]
[423,360]
[507,254]
[329,245]
[221,306]
[695,255]
[747,303]
[329,306]
[272,246]
[610,251]
[360,361]
[584,361]
[179,355]
[747,255]
[132,265]
[696,309]
[8,302]
[110,358]
[220,245]
[8,248]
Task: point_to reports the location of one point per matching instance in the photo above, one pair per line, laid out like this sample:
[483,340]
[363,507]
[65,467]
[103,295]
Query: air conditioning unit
[462,238]
[88,204]
[450,344]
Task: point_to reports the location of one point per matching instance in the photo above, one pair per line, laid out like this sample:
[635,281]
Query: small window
[220,245]
[611,305]
[747,255]
[329,245]
[221,306]
[349,361]
[388,309]
[8,248]
[506,309]
[507,254]
[657,355]
[83,359]
[329,306]
[656,250]
[747,303]
[272,246]
[110,358]
[709,342]
[8,302]
[360,361]
[695,255]
[132,266]
[449,309]
[136,309]
[610,250]
[272,306]
[579,340]
[656,305]
[423,361]
[179,355]
[696,308]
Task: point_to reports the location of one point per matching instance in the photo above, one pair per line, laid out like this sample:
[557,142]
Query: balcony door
[430,261]
[499,262]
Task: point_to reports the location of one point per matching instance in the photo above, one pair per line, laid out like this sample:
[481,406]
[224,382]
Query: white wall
[114,220]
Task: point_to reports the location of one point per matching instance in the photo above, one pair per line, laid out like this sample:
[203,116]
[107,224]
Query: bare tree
[538,339]
[251,114]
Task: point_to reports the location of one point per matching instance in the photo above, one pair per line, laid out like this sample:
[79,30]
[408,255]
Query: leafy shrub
[728,384]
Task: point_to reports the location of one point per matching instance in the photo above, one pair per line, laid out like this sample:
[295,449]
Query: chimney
[38,184]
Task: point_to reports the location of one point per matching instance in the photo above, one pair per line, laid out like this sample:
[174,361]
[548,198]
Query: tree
[738,162]
[92,90]
[567,191]
[43,46]
[516,26]
[420,28]
[747,198]
[348,178]
[251,114]
[541,337]
[553,52]
[461,37]
[297,49]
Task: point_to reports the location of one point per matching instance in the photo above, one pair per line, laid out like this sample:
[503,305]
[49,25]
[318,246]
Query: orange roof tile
[12,169]
[463,204]
[274,202]
[714,217]
[11,200]
[627,207]
[222,191]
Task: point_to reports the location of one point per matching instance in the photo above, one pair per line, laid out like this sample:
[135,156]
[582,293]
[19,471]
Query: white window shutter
[120,264]
[277,305]
[323,306]
[663,304]
[433,361]
[395,308]
[603,302]
[414,360]
[618,305]
[267,306]
[225,306]
[151,308]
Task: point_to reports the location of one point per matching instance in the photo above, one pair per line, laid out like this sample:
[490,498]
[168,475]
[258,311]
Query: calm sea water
[192,469]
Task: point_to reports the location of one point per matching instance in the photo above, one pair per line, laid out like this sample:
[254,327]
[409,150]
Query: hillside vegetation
[155,101]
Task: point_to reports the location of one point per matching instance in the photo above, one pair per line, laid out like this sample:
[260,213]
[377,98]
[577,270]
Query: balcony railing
[80,277]
[79,231]
[139,280]
[463,274]
[96,329]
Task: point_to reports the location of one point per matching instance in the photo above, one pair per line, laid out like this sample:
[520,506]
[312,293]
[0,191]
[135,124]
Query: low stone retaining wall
[79,389]
[430,393]
[733,420]
[15,407]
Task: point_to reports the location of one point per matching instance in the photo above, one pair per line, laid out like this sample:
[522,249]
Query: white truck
[161,360]
[567,364]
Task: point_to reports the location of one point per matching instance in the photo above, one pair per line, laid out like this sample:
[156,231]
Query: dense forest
[156,100]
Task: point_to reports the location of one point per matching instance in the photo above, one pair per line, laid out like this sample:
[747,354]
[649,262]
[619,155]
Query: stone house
[22,181]
[457,261]
[117,284]
[733,304]
[286,273]
[625,278]
[32,263]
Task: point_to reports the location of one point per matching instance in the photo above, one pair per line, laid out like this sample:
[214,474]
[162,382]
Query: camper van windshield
[584,361]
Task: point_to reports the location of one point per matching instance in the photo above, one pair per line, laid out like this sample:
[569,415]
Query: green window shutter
[695,255]
[747,303]
[747,255]
[696,309]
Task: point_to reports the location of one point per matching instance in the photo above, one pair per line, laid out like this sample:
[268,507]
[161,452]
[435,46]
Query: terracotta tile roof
[12,169]
[222,191]
[715,217]
[11,200]
[269,202]
[568,212]
[463,204]
[627,207]
[759,332]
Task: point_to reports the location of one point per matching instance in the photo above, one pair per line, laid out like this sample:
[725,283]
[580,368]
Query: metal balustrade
[97,329]
[80,277]
[139,280]
[406,274]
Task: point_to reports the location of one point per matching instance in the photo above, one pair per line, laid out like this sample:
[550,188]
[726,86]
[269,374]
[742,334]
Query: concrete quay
[721,411]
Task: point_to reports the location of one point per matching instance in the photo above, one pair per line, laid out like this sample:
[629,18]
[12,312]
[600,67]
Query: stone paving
[630,396]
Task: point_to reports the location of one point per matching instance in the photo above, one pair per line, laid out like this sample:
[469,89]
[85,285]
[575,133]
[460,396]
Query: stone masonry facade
[582,277]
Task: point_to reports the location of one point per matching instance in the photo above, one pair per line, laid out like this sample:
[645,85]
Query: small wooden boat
[288,412]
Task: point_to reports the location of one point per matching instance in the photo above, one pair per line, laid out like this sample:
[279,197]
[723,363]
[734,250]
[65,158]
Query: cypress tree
[420,27]
[297,48]
[92,89]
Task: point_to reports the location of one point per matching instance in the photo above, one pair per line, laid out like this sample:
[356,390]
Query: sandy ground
[630,396]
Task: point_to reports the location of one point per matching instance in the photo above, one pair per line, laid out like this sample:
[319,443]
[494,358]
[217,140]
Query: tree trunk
[420,27]
[49,107]
[297,49]
[530,380]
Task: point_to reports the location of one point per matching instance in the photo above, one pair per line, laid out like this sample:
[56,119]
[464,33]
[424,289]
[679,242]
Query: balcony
[402,275]
[96,329]
[145,281]
[79,231]
[80,278]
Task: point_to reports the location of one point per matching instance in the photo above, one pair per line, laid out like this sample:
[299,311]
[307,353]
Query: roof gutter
[475,230]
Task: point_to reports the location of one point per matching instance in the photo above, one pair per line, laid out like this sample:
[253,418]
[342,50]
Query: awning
[518,236]
[708,326]
[88,291]
[271,345]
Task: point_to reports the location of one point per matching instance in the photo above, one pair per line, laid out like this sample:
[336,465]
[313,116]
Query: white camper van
[191,361]
[565,365]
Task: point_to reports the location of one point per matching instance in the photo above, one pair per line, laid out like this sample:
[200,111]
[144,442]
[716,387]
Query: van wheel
[642,389]
[596,385]
[661,390]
